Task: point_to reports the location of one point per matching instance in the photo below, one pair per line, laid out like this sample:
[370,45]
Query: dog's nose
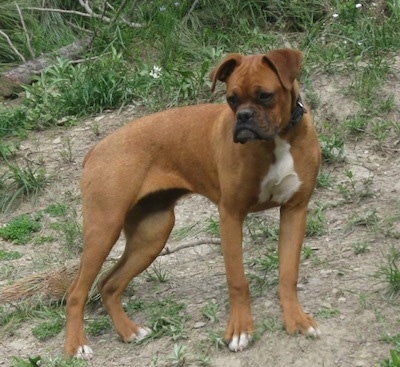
[244,115]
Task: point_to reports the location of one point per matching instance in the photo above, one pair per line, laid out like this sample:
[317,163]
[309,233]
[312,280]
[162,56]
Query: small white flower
[176,3]
[163,8]
[155,72]
[358,6]
[335,15]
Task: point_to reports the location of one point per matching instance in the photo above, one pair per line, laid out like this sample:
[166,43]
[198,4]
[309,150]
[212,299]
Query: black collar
[297,114]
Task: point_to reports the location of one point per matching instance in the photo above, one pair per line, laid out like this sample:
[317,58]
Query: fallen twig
[191,243]
[28,39]
[12,46]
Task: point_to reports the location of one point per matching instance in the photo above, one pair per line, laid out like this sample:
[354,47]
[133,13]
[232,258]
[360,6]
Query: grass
[210,310]
[20,229]
[167,318]
[9,255]
[48,329]
[389,273]
[166,63]
[19,181]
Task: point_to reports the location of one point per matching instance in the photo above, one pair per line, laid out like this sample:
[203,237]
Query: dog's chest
[281,181]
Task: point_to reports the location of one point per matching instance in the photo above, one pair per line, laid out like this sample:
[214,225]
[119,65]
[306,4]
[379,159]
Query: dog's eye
[265,97]
[232,100]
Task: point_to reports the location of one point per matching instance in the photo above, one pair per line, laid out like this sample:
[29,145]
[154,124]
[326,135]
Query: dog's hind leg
[147,228]
[100,234]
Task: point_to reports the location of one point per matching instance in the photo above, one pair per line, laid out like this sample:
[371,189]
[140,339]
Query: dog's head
[261,90]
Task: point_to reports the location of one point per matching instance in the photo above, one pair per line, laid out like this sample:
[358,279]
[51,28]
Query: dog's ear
[224,69]
[286,63]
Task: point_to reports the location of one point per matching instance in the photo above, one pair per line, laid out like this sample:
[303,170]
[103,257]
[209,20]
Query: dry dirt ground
[339,287]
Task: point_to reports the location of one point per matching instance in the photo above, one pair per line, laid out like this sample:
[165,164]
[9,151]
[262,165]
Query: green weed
[216,340]
[266,271]
[360,247]
[19,230]
[316,223]
[210,311]
[332,148]
[70,231]
[48,329]
[47,362]
[324,179]
[326,313]
[389,273]
[352,190]
[178,357]
[156,273]
[369,219]
[99,326]
[167,318]
[19,182]
[308,252]
[260,230]
[9,255]
[31,362]
[212,226]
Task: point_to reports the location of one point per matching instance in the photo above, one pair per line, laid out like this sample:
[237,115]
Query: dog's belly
[281,181]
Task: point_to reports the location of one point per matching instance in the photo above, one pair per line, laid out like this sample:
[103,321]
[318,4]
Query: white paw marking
[314,332]
[239,343]
[139,335]
[281,181]
[142,333]
[84,352]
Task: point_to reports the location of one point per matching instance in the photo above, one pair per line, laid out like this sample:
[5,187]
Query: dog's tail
[87,156]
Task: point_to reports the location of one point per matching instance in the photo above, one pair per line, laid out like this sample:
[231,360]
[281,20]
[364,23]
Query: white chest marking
[281,181]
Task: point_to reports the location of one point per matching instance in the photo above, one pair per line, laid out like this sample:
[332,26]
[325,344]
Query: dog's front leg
[240,324]
[291,236]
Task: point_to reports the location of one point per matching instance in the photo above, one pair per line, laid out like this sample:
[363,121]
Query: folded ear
[286,63]
[224,69]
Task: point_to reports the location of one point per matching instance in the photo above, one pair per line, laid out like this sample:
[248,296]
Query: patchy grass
[20,229]
[166,63]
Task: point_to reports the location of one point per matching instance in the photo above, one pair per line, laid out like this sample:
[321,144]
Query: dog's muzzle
[246,128]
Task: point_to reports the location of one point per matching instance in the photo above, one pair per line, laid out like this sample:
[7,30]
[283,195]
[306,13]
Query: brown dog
[133,178]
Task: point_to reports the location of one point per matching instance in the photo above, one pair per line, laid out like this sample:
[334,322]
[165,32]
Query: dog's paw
[139,335]
[239,343]
[313,332]
[84,352]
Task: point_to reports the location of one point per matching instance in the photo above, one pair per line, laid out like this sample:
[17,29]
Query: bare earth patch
[337,285]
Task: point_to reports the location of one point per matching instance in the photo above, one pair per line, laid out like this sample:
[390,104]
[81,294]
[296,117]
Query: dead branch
[191,243]
[190,10]
[28,39]
[23,74]
[12,46]
[89,13]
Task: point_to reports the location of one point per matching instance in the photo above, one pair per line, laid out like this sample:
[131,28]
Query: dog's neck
[298,112]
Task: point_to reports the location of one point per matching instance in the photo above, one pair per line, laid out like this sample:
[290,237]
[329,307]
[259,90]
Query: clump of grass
[20,229]
[167,318]
[316,223]
[9,255]
[99,327]
[360,247]
[178,356]
[48,329]
[210,311]
[19,181]
[260,229]
[265,274]
[332,148]
[157,273]
[389,273]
